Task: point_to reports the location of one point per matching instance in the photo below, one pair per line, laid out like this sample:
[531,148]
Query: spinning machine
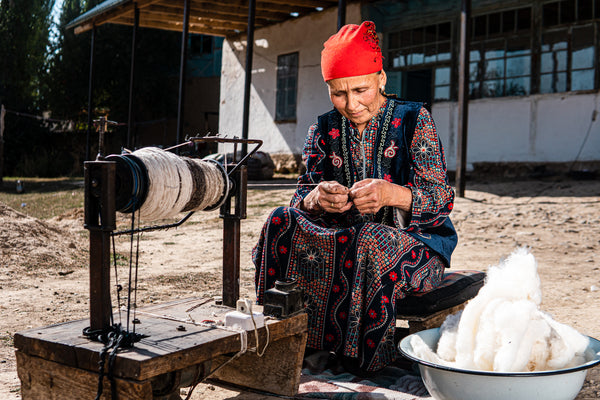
[160,348]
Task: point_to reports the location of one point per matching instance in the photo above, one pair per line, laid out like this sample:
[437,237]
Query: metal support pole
[248,82]
[182,68]
[130,122]
[341,14]
[90,94]
[463,97]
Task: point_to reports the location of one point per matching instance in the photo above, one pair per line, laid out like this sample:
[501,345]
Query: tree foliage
[24,30]
[156,60]
[38,75]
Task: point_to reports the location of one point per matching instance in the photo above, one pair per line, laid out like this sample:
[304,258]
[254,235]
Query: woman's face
[358,98]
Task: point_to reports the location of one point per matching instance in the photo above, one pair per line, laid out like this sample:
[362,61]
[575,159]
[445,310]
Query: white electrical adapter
[243,315]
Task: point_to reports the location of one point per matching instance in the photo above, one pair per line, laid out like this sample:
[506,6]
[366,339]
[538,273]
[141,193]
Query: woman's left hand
[369,195]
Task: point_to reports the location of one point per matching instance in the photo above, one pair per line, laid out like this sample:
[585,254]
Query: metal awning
[217,18]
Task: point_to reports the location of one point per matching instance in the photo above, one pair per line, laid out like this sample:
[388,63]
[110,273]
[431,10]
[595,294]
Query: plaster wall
[542,128]
[305,36]
[539,128]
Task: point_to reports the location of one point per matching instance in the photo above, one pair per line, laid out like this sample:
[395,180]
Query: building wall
[534,129]
[539,128]
[306,36]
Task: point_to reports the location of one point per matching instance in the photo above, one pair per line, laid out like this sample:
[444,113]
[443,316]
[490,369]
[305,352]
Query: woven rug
[323,378]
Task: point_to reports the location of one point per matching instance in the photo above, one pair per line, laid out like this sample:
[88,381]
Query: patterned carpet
[323,377]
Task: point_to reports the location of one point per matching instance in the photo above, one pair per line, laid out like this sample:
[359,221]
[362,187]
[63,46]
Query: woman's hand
[369,195]
[329,196]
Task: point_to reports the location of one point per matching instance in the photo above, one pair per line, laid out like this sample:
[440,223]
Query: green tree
[24,31]
[157,59]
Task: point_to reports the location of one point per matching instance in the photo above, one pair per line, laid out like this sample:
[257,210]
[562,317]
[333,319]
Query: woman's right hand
[329,196]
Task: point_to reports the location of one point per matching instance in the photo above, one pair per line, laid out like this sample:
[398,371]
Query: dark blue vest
[392,161]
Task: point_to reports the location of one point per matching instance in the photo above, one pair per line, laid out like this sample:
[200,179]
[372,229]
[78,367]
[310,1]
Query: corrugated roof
[220,18]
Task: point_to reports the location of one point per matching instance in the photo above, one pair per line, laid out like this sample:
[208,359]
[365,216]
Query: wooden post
[341,14]
[100,220]
[231,238]
[2,114]
[463,97]
[182,70]
[248,81]
[130,123]
[90,97]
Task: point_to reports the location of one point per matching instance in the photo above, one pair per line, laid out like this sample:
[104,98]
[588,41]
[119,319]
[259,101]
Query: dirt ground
[44,275]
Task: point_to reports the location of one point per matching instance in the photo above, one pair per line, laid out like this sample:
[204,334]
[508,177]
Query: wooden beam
[219,13]
[305,3]
[116,12]
[463,97]
[219,18]
[207,18]
[198,22]
[197,29]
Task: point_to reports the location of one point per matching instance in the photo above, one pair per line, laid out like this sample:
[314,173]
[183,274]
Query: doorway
[416,86]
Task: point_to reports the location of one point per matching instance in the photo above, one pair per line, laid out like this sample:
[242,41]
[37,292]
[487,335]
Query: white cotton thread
[177,184]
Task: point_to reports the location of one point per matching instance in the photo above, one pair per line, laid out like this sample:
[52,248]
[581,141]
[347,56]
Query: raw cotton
[503,329]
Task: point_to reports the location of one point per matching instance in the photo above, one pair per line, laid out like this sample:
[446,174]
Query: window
[424,48]
[568,52]
[287,87]
[200,45]
[502,59]
[500,54]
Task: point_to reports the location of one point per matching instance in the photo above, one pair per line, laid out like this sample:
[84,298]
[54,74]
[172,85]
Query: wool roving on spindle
[161,184]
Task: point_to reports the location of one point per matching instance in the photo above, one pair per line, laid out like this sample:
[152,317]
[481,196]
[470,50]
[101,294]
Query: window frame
[481,34]
[424,32]
[281,90]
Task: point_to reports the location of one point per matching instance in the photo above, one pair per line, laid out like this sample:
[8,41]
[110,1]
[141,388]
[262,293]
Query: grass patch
[43,197]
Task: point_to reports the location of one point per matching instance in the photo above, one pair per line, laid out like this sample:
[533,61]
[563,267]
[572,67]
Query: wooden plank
[166,347]
[277,371]
[230,10]
[194,28]
[162,13]
[311,4]
[47,380]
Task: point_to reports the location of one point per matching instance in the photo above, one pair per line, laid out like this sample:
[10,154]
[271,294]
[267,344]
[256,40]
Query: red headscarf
[352,51]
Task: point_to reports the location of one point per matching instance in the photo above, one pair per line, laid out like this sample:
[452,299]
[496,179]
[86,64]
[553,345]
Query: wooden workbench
[57,361]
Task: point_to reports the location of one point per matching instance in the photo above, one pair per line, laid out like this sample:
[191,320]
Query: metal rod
[245,142]
[130,122]
[90,94]
[155,227]
[182,68]
[463,97]
[248,82]
[341,14]
[275,185]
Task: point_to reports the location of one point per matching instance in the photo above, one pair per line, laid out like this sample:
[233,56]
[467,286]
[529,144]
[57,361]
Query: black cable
[137,258]
[130,269]
[119,287]
[587,135]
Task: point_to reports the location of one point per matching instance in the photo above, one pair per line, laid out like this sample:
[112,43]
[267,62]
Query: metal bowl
[447,383]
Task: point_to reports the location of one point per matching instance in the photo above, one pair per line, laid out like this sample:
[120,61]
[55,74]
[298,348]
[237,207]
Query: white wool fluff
[502,329]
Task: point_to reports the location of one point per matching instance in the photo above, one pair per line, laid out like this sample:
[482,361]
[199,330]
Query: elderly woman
[369,222]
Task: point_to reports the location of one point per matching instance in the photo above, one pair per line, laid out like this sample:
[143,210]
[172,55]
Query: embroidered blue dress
[353,267]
